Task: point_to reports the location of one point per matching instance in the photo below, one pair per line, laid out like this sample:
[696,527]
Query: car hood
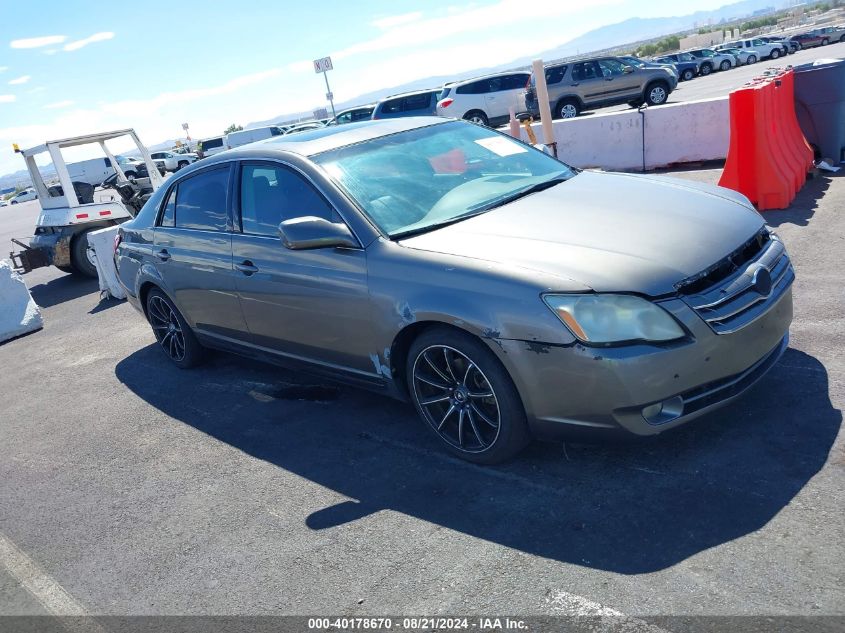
[608,232]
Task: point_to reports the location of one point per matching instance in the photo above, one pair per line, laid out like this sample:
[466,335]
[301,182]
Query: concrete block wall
[631,140]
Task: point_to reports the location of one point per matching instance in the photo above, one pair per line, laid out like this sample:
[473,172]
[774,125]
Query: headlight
[613,318]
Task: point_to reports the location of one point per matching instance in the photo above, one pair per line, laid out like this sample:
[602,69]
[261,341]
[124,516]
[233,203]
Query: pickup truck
[172,161]
[758,49]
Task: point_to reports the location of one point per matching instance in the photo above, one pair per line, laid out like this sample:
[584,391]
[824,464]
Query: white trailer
[69,212]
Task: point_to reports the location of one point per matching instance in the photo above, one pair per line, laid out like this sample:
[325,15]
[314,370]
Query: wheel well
[469,113]
[402,344]
[143,291]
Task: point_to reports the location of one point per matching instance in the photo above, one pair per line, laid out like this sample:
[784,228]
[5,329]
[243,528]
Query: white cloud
[7,98]
[59,104]
[396,20]
[38,42]
[97,37]
[3,69]
[505,13]
[20,80]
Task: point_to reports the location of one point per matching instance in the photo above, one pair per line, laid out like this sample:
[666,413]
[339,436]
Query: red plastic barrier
[768,158]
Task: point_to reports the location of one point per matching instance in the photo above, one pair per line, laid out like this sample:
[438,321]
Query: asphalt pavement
[130,487]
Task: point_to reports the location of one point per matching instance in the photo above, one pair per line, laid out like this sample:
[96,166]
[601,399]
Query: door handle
[575,83]
[163,255]
[246,267]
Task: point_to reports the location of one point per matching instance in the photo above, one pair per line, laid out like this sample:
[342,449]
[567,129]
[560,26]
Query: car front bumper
[567,389]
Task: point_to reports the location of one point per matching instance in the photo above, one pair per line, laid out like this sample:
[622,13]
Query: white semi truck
[69,211]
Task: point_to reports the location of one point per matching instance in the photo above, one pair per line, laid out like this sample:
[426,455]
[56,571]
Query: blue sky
[68,68]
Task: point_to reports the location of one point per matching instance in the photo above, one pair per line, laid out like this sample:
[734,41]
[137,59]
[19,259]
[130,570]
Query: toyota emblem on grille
[762,281]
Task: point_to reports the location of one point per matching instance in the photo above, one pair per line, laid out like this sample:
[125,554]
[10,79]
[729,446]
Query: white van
[242,137]
[95,170]
[213,145]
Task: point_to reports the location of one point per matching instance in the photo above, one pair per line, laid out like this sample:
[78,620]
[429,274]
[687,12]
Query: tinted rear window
[416,102]
[201,201]
[212,143]
[555,75]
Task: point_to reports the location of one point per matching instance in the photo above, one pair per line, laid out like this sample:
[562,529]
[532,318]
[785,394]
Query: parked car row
[574,85]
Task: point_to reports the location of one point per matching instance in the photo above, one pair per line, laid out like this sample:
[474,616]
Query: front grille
[741,297]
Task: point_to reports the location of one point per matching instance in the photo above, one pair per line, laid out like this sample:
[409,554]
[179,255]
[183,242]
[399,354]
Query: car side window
[555,75]
[271,194]
[168,214]
[392,106]
[416,102]
[346,117]
[611,68]
[474,88]
[201,201]
[584,70]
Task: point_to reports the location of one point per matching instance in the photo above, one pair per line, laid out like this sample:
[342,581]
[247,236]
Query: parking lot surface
[720,83]
[131,487]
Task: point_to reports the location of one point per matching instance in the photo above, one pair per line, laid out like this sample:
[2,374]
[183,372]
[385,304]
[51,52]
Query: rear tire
[466,397]
[182,165]
[775,54]
[477,117]
[725,65]
[752,59]
[172,332]
[825,42]
[79,255]
[567,109]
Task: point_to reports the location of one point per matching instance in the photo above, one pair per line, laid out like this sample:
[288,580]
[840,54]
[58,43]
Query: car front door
[309,305]
[619,84]
[192,251]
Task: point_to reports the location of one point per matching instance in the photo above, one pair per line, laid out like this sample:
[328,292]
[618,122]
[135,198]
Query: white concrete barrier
[691,131]
[18,312]
[102,243]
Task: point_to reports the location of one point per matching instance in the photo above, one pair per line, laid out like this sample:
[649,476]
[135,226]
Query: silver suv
[591,83]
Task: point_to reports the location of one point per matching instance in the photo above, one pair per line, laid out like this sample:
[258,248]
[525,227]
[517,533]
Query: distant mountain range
[628,32]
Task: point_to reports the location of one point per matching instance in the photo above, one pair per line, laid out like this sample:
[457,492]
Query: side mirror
[309,232]
[628,69]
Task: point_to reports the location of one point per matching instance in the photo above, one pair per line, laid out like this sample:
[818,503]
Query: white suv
[757,48]
[172,161]
[485,100]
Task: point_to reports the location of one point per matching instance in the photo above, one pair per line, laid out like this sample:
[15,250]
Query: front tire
[172,332]
[477,117]
[656,93]
[687,75]
[705,69]
[182,165]
[466,397]
[825,42]
[775,54]
[752,59]
[725,65]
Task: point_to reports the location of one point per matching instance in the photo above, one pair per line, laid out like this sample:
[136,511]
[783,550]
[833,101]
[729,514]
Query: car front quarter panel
[487,299]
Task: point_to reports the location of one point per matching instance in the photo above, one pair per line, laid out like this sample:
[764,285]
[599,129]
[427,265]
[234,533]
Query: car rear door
[301,304]
[586,81]
[192,251]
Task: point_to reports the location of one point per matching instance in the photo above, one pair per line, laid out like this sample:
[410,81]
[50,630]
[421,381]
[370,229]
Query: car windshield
[415,181]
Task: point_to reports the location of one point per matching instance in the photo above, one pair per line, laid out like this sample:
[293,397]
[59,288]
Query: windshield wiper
[437,225]
[516,195]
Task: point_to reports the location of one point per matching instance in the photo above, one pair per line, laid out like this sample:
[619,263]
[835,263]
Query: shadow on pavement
[631,508]
[61,289]
[806,202]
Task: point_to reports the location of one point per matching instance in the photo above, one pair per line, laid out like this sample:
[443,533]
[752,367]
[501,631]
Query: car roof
[312,142]
[504,73]
[410,93]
